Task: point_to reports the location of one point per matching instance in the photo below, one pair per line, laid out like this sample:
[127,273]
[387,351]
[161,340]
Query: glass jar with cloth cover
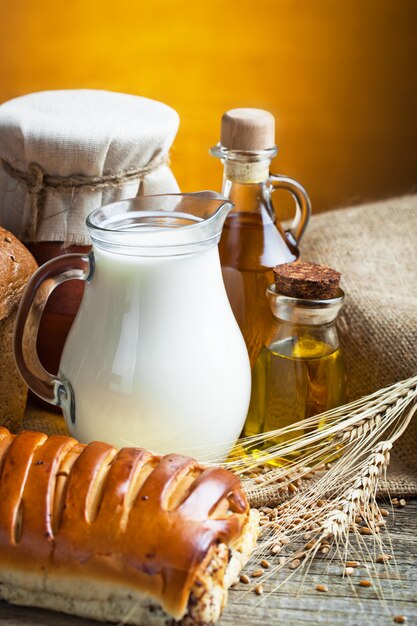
[64,154]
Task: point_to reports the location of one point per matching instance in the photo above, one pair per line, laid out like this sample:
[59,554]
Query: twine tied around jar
[37,182]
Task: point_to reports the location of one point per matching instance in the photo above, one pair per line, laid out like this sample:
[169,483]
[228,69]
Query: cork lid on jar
[247,129]
[307,280]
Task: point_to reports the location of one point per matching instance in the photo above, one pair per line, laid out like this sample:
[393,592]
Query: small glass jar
[300,370]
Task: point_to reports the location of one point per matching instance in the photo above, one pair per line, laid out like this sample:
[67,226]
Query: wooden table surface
[345,603]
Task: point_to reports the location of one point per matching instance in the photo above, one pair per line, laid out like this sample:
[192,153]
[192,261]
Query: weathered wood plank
[345,604]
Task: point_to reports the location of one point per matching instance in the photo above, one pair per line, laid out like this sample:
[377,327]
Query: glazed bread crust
[118,534]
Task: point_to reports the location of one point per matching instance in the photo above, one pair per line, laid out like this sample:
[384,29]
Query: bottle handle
[302,204]
[53,273]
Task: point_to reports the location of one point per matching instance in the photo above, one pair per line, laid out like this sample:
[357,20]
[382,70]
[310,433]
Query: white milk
[155,356]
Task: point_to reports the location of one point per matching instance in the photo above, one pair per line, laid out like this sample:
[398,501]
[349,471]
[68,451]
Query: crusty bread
[16,267]
[124,536]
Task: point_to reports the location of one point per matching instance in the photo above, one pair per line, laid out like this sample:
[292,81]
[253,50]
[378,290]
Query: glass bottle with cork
[253,240]
[300,371]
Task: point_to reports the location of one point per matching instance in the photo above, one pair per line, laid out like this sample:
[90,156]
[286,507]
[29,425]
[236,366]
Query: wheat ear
[335,513]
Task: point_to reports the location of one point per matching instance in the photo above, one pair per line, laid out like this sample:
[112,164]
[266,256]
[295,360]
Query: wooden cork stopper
[306,280]
[247,129]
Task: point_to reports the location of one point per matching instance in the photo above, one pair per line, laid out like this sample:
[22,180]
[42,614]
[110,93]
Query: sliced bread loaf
[16,267]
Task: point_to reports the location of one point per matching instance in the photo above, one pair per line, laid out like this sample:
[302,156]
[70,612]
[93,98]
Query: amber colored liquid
[294,379]
[251,245]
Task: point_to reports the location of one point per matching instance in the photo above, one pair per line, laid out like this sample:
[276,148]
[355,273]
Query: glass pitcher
[155,357]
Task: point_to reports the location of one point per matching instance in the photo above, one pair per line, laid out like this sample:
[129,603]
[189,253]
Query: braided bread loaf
[118,534]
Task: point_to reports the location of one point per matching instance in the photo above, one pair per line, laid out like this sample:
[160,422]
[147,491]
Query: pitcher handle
[302,204]
[53,273]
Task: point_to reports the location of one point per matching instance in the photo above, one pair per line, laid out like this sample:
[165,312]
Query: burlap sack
[375,248]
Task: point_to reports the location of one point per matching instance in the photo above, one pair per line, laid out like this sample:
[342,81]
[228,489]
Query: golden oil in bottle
[254,241]
[251,245]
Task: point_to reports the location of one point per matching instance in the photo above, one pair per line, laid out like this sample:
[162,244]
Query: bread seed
[276,548]
[365,583]
[366,531]
[294,564]
[352,563]
[257,573]
[400,619]
[384,512]
[265,563]
[402,502]
[322,588]
[244,579]
[259,589]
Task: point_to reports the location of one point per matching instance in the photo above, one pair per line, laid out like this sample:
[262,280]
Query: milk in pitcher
[155,357]
[170,360]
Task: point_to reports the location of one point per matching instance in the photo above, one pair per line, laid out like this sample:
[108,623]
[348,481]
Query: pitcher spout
[160,224]
[217,206]
[206,205]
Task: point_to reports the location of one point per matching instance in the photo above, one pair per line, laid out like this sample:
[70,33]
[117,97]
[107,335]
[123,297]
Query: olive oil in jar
[294,379]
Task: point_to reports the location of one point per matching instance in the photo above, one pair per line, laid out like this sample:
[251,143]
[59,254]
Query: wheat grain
[259,589]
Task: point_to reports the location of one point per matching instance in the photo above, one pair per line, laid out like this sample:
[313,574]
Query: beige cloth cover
[375,248]
[84,132]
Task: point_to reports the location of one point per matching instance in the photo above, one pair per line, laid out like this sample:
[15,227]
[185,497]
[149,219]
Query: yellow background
[340,76]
